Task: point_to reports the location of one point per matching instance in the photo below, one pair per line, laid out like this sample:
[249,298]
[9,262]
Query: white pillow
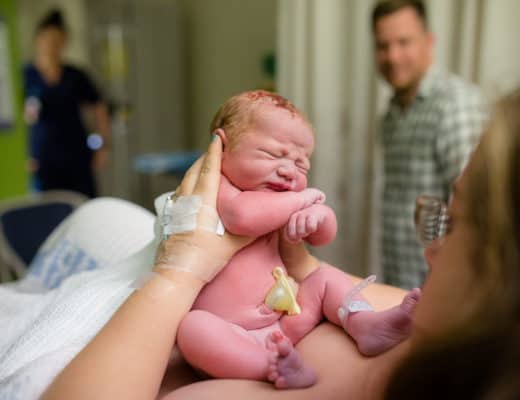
[99,233]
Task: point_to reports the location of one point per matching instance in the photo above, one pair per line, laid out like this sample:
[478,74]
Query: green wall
[13,172]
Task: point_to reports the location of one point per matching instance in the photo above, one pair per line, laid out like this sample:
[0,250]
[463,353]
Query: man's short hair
[387,7]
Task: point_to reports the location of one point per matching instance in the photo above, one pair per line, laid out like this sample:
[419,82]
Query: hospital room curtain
[325,65]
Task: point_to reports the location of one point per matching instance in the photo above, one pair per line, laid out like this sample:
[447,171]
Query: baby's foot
[286,368]
[376,332]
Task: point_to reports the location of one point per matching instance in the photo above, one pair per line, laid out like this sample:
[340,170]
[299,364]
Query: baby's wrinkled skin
[230,332]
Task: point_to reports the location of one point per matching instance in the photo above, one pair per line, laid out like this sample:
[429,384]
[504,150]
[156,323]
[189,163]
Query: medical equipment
[282,296]
[351,305]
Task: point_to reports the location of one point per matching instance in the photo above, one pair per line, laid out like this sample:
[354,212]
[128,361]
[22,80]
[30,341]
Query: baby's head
[268,142]
[239,112]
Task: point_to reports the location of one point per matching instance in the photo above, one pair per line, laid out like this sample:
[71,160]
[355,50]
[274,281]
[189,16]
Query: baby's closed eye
[303,165]
[269,153]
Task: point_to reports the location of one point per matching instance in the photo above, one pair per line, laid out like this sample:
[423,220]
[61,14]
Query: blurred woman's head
[475,268]
[494,212]
[51,35]
[467,324]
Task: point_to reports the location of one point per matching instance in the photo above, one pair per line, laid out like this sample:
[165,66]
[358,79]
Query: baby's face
[272,154]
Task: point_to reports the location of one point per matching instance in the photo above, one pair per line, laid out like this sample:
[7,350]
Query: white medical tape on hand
[350,305]
[178,214]
[181,214]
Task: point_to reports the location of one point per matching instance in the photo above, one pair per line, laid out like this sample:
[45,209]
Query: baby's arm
[316,225]
[258,213]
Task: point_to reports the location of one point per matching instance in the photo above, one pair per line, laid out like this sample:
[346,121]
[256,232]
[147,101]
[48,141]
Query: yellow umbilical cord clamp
[282,296]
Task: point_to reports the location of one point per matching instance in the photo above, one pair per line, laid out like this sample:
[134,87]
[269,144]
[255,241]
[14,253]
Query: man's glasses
[431,219]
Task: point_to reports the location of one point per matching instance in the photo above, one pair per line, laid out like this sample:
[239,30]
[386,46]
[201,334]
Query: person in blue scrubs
[58,96]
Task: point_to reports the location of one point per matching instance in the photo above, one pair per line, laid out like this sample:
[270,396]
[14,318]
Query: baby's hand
[304,223]
[312,196]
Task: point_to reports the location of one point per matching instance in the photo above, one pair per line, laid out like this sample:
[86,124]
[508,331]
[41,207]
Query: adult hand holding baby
[188,250]
[132,351]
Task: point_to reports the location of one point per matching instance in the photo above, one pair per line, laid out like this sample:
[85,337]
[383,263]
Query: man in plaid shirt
[432,124]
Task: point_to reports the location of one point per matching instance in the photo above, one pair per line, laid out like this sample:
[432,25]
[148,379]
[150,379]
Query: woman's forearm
[128,357]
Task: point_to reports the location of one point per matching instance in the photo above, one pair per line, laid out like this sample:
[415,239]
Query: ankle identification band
[349,305]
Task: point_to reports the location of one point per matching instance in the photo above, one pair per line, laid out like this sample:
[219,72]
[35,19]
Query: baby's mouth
[278,187]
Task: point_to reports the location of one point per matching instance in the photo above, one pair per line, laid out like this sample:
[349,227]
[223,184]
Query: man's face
[403,48]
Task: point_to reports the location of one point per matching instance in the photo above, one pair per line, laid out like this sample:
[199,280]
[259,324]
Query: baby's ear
[222,133]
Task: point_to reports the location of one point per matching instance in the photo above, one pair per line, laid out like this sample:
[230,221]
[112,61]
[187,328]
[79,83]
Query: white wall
[499,69]
[225,43]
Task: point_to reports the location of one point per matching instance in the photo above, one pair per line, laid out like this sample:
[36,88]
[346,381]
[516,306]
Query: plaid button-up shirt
[425,149]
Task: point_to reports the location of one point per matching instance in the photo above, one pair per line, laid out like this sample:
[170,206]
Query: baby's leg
[312,293]
[323,292]
[319,295]
[225,350]
[220,348]
[376,332]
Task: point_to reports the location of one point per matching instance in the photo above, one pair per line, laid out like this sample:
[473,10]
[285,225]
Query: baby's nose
[286,171]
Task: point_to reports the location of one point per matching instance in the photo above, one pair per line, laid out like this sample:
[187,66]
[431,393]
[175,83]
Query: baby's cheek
[301,183]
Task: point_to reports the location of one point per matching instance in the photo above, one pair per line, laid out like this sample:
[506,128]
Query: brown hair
[479,358]
[53,19]
[238,112]
[494,179]
[387,7]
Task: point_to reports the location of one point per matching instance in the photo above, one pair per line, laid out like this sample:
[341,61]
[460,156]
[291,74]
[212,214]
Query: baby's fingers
[291,233]
[301,225]
[311,224]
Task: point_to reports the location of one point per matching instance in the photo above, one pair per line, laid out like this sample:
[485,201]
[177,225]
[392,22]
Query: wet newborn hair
[239,111]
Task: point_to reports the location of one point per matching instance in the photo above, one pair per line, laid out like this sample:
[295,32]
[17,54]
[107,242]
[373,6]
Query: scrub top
[58,137]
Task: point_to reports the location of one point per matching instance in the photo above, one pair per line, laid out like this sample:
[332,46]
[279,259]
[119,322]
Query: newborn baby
[246,321]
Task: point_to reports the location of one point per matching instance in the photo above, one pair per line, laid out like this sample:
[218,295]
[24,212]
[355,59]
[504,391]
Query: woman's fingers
[209,177]
[190,178]
[203,177]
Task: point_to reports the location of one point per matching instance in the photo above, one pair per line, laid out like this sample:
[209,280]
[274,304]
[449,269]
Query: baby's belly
[237,294]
